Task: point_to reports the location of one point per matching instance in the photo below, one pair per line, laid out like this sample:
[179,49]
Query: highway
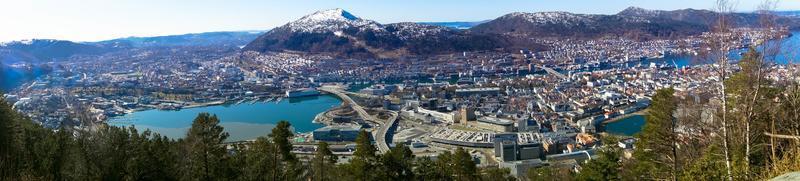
[554,72]
[382,134]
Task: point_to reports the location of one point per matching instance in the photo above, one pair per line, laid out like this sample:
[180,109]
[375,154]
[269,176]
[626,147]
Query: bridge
[384,125]
[554,72]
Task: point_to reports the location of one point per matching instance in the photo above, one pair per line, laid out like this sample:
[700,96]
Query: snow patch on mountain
[549,18]
[330,21]
[640,12]
[27,42]
[408,30]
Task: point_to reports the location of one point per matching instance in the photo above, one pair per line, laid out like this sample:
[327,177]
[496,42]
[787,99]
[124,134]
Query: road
[554,72]
[385,126]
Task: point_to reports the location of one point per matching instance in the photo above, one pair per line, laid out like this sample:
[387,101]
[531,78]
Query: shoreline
[642,112]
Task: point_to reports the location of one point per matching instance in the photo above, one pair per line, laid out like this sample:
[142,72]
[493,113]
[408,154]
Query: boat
[278,100]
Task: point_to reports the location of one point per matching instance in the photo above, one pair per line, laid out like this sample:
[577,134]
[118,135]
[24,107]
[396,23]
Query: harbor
[245,119]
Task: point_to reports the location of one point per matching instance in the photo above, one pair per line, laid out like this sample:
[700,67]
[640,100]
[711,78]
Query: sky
[94,20]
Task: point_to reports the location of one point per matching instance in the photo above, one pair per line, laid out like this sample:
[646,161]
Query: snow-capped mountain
[331,20]
[339,32]
[553,18]
[633,22]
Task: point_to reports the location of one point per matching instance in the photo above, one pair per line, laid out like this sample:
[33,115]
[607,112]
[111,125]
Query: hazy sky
[91,20]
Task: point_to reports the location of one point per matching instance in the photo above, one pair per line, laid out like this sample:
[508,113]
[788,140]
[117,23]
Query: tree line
[31,152]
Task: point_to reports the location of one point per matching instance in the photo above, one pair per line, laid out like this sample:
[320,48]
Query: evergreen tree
[656,148]
[364,148]
[497,174]
[206,156]
[8,148]
[324,163]
[397,164]
[548,173]
[262,161]
[464,167]
[708,167]
[445,165]
[605,166]
[427,169]
[60,155]
[280,136]
[362,166]
[751,95]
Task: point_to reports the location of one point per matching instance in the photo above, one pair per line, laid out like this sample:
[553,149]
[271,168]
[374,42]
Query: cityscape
[695,93]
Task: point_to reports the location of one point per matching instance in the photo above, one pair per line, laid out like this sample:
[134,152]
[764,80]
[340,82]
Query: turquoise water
[627,126]
[243,121]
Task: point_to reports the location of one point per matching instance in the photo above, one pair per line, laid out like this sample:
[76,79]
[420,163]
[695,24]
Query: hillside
[340,33]
[632,22]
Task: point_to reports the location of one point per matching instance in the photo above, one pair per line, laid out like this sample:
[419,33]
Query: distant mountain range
[632,22]
[788,13]
[457,25]
[340,33]
[227,38]
[43,50]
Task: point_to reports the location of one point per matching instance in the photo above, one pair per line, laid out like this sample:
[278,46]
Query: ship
[302,92]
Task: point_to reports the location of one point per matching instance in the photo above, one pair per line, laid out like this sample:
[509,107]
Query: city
[522,104]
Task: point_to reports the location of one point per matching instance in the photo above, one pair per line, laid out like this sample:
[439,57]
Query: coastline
[618,118]
[212,103]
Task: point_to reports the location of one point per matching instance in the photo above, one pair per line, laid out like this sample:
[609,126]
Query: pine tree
[364,148]
[397,164]
[751,97]
[464,167]
[605,166]
[548,173]
[426,169]
[362,166]
[8,152]
[60,154]
[708,167]
[656,148]
[496,174]
[445,165]
[324,163]
[206,156]
[280,136]
[262,161]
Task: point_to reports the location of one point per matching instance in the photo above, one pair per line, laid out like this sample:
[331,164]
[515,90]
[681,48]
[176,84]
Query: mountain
[632,22]
[340,33]
[36,50]
[788,13]
[457,24]
[231,38]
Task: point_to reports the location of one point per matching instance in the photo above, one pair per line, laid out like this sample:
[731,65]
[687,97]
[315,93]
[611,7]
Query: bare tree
[718,46]
[770,46]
